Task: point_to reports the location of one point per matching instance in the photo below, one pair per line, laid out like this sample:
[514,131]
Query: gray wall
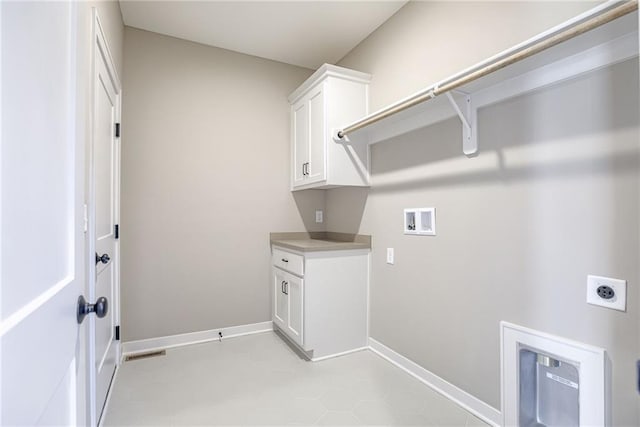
[426,41]
[205,178]
[553,196]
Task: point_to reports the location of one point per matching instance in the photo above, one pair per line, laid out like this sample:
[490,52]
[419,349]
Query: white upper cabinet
[332,97]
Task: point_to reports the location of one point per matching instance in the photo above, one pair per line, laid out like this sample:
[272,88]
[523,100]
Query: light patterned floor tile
[473,421]
[375,413]
[339,418]
[340,399]
[258,380]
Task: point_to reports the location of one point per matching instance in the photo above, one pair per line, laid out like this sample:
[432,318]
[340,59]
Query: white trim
[603,55]
[369,275]
[1,145]
[343,353]
[599,56]
[100,39]
[307,353]
[25,311]
[477,407]
[328,70]
[109,393]
[180,340]
[591,363]
[99,49]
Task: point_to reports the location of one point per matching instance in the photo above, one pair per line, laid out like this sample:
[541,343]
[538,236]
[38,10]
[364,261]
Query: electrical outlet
[607,292]
[390,256]
[319,216]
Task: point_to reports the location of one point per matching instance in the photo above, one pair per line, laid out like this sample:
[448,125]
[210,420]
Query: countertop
[320,241]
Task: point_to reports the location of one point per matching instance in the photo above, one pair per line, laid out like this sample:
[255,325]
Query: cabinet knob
[285,260]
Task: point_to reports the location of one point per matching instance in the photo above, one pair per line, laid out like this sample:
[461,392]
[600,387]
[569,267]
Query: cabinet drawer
[288,261]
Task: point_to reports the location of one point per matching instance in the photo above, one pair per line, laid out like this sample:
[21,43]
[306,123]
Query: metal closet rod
[608,16]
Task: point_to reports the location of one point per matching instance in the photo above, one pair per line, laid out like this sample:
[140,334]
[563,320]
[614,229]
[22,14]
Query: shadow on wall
[307,202]
[432,157]
[347,206]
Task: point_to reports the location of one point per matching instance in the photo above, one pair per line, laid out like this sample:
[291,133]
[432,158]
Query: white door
[294,290]
[42,227]
[280,304]
[317,136]
[300,134]
[104,197]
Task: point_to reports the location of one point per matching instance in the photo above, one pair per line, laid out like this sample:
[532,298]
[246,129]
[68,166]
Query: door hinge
[116,231]
[117,130]
[118,333]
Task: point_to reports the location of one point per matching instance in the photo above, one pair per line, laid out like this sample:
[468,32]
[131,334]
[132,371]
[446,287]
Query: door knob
[100,308]
[103,259]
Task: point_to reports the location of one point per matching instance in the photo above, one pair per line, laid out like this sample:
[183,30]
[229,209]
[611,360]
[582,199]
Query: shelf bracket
[462,104]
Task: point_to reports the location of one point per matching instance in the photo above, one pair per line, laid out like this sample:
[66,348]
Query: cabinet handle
[307,168]
[282,287]
[304,169]
[286,288]
[285,260]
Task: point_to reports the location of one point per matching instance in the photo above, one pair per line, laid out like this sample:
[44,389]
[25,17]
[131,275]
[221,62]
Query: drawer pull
[285,260]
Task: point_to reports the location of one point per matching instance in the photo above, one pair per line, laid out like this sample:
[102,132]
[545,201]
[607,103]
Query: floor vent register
[146,355]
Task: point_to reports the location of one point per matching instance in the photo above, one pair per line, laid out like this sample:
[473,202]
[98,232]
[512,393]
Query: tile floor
[259,380]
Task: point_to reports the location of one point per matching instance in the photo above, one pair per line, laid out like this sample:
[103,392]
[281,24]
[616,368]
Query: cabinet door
[295,291]
[300,136]
[280,300]
[317,135]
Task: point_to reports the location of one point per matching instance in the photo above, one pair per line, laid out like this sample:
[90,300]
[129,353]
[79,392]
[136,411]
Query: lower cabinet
[288,304]
[320,299]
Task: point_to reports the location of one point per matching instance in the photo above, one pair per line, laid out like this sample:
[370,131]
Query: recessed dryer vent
[551,381]
[549,390]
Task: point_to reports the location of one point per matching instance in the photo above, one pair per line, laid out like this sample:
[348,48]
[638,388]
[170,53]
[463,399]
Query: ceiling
[303,32]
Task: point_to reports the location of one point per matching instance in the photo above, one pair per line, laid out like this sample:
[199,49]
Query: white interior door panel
[41,258]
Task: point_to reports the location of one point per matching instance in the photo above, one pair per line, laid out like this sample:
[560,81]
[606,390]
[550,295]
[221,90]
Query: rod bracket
[462,104]
[339,136]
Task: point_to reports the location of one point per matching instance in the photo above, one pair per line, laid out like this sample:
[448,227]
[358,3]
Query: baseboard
[342,353]
[171,341]
[472,404]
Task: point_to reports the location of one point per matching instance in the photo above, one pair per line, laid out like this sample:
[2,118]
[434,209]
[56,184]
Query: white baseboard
[171,341]
[472,404]
[344,353]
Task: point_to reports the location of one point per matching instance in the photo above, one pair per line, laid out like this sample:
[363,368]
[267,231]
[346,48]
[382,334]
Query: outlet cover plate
[390,256]
[619,300]
[319,216]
